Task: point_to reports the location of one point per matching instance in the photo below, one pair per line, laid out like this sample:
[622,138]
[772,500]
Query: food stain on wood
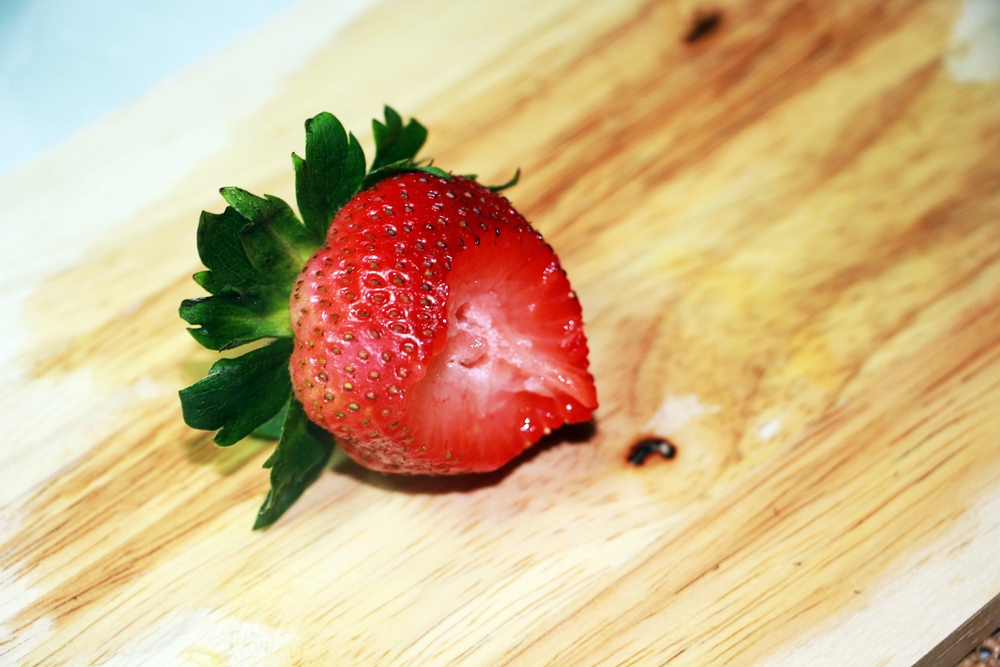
[641,450]
[703,25]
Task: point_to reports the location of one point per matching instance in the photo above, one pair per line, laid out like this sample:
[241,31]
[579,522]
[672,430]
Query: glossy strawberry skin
[436,331]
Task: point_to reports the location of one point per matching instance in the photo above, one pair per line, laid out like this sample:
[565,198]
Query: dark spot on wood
[642,449]
[702,26]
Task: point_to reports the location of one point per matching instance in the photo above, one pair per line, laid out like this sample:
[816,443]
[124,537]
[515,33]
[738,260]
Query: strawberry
[436,331]
[431,330]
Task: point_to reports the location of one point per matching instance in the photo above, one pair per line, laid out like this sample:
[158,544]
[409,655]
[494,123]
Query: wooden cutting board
[783,221]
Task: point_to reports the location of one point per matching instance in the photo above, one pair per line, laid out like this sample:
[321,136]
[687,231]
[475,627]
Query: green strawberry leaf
[401,167]
[395,142]
[509,184]
[254,250]
[433,171]
[329,175]
[238,395]
[274,241]
[300,457]
[221,250]
[271,429]
[228,321]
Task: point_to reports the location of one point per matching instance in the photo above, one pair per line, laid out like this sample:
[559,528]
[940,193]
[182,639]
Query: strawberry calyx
[253,251]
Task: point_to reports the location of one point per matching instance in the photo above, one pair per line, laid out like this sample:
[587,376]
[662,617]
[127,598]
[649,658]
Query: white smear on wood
[974,52]
[203,637]
[10,521]
[770,429]
[17,595]
[928,596]
[40,448]
[17,642]
[15,646]
[676,412]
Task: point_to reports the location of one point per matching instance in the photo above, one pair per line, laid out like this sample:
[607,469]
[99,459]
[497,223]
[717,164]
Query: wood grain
[783,221]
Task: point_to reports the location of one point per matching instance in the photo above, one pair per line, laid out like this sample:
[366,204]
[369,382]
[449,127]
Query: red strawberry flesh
[436,332]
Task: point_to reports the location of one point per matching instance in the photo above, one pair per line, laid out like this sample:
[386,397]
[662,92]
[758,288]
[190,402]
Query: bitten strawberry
[436,332]
[431,330]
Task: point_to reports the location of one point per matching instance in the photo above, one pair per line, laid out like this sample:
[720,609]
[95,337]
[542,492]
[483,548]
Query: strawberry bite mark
[436,332]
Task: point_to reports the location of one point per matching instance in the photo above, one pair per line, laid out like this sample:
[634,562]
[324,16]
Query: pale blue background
[66,63]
